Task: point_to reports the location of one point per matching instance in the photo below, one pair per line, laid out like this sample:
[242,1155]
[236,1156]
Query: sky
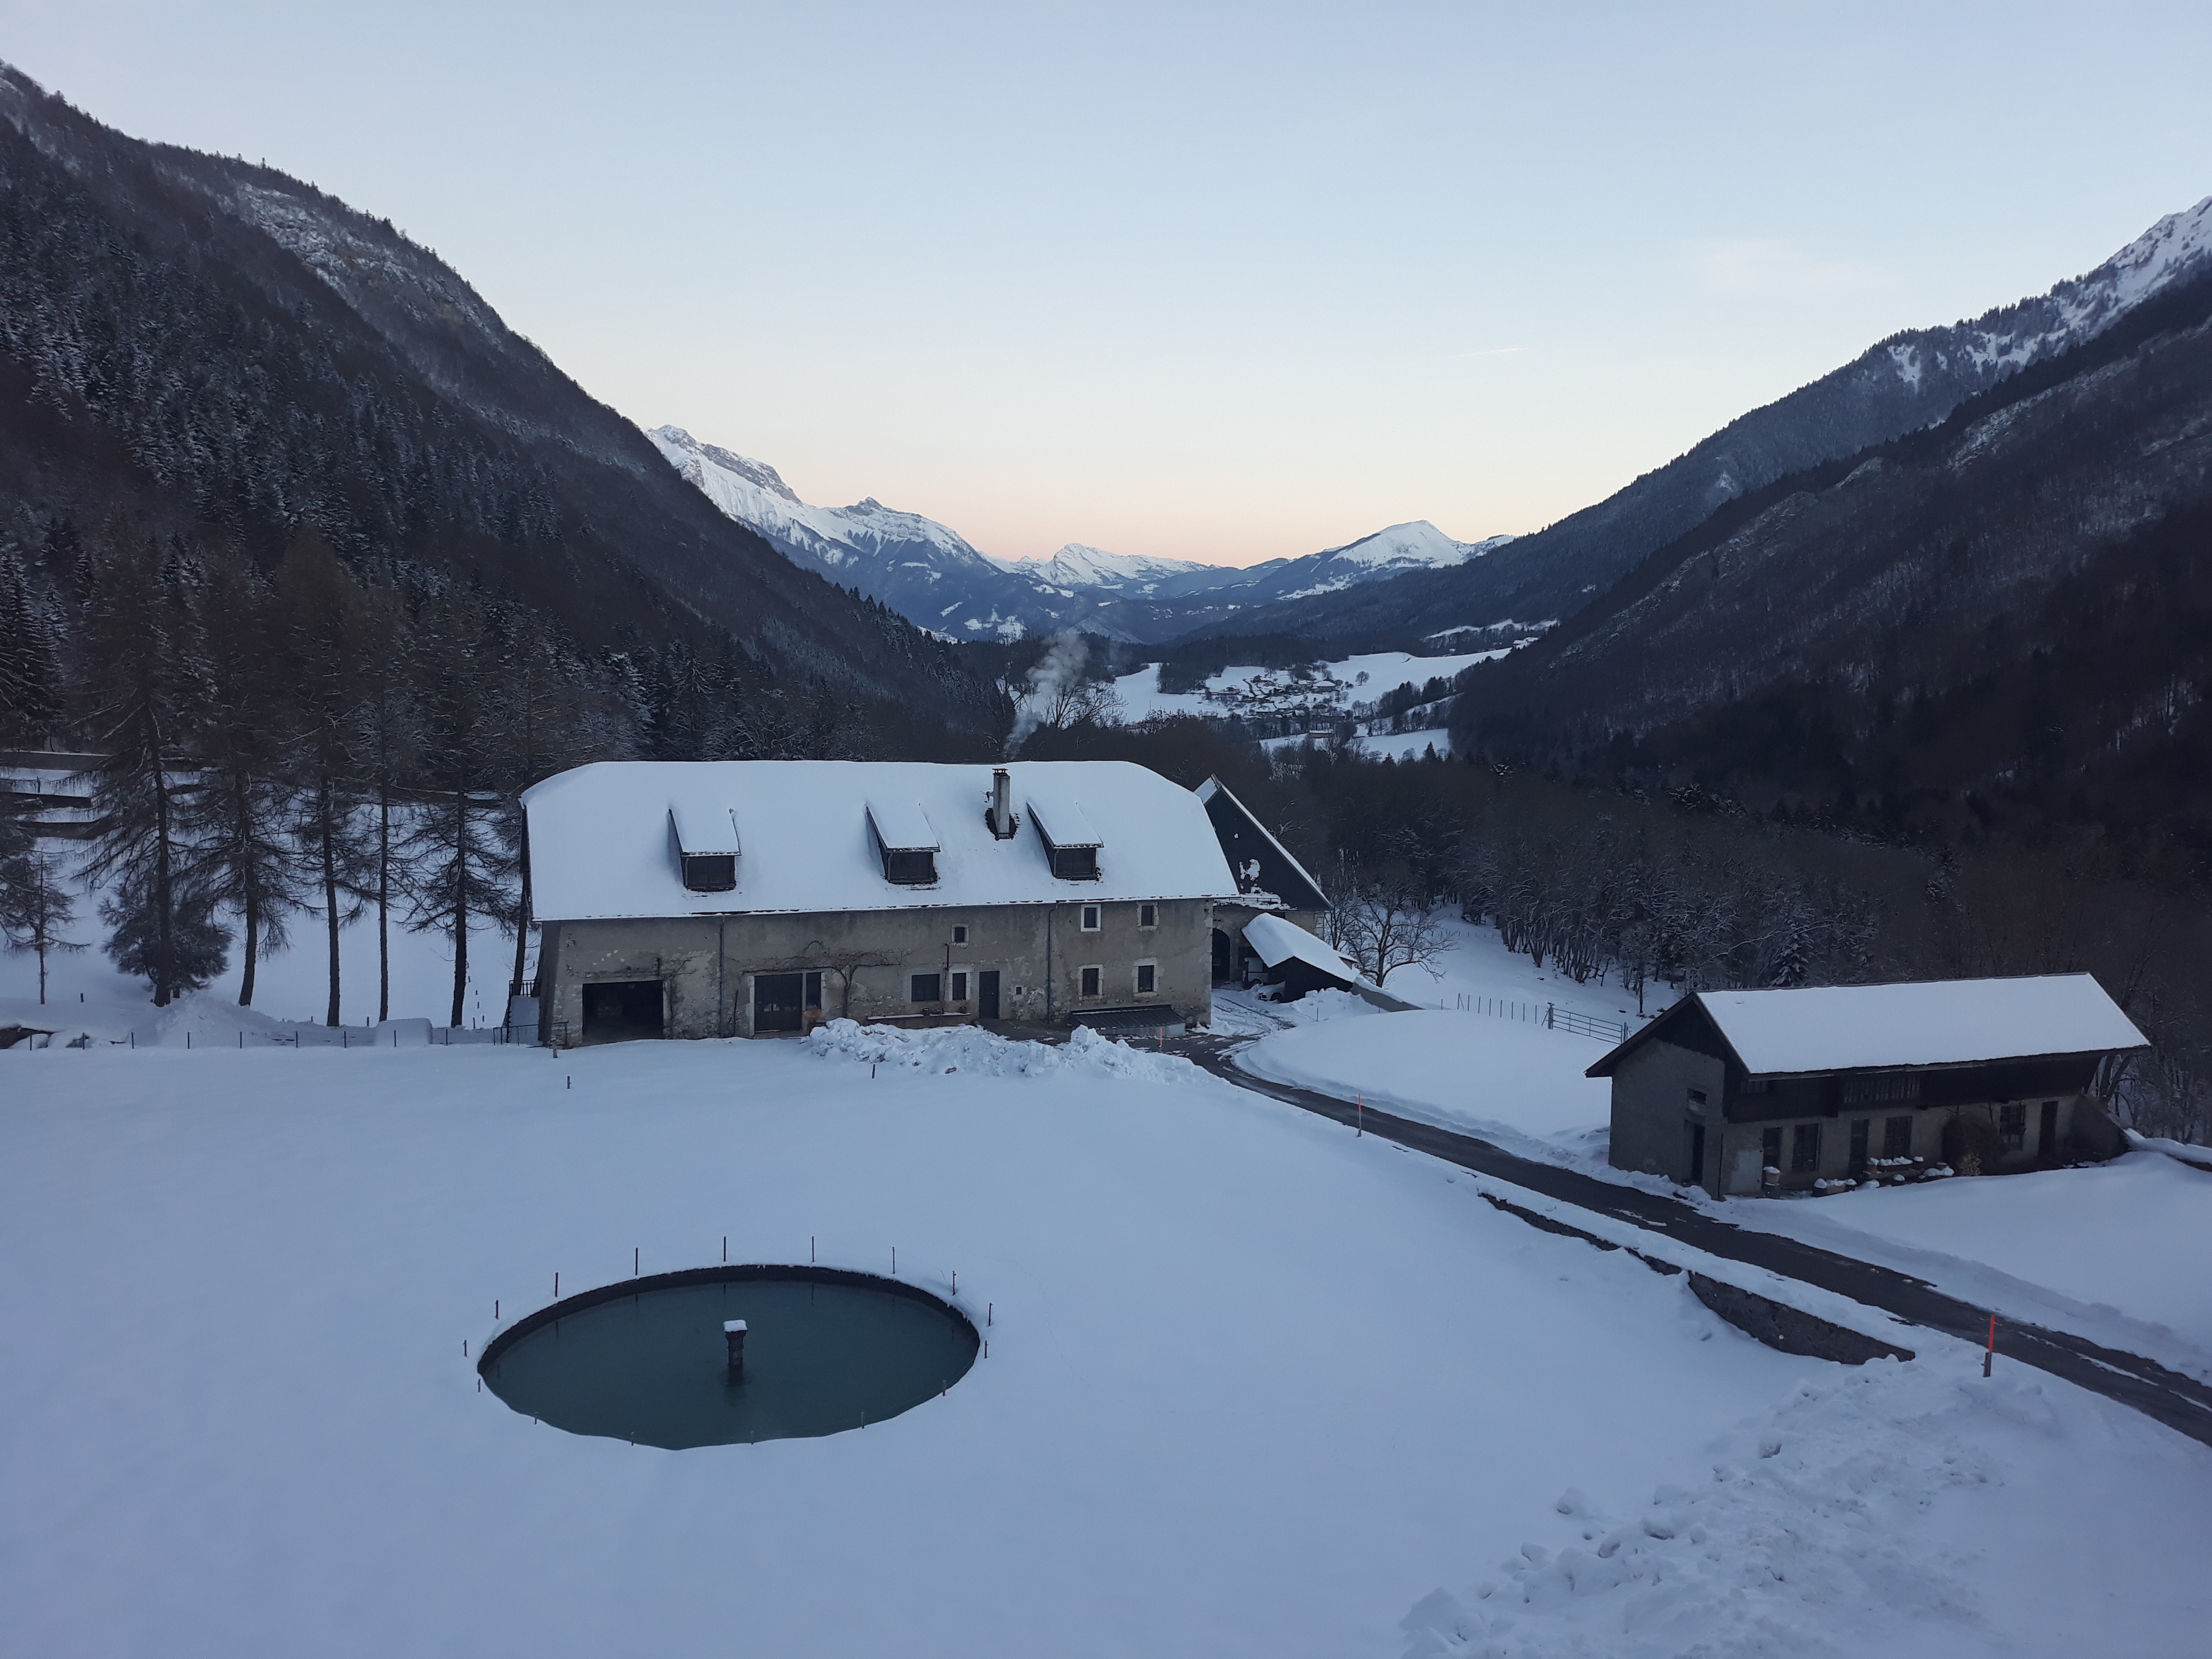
[1221,282]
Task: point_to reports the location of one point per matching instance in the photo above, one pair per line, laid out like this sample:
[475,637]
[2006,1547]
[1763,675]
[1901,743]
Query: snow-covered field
[84,989]
[1255,1386]
[1339,684]
[2115,1253]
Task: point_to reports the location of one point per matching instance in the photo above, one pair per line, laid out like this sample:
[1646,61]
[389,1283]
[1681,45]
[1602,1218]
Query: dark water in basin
[820,1358]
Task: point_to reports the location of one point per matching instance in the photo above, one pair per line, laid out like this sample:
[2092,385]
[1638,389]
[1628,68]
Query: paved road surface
[2178,1401]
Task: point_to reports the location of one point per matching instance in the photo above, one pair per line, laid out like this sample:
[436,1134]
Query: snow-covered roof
[1277,941]
[704,832]
[902,826]
[1061,815]
[1956,1021]
[599,843]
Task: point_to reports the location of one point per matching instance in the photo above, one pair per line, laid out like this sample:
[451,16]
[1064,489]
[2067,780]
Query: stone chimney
[1001,813]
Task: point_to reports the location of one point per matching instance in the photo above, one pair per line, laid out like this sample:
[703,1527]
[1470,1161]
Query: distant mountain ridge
[934,576]
[1909,380]
[204,349]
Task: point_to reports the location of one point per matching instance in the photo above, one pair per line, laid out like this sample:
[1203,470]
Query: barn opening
[623,1011]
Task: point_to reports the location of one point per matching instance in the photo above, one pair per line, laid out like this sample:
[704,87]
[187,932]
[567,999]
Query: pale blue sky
[1207,281]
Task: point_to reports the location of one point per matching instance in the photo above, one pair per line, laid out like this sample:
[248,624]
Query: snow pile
[1847,1522]
[969,1048]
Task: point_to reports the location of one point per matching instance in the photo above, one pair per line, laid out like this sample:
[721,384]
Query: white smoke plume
[1054,685]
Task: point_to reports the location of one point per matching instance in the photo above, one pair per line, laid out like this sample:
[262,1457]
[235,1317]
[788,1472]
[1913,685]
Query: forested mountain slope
[2001,623]
[198,347]
[1899,385]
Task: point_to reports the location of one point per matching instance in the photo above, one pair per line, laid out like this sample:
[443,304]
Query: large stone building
[1817,1085]
[746,899]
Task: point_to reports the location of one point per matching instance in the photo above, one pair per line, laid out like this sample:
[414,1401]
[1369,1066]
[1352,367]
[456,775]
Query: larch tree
[149,690]
[461,860]
[326,635]
[239,810]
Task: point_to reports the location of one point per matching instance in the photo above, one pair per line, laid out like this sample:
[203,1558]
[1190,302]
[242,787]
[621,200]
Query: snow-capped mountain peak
[1078,566]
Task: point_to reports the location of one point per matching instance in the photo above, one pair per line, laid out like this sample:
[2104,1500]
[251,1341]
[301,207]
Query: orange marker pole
[1359,1111]
[1989,1354]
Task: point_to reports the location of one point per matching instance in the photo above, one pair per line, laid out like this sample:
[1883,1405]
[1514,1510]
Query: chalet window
[814,990]
[1770,1149]
[923,987]
[1089,918]
[960,935]
[1897,1137]
[1090,981]
[1879,1090]
[1805,1149]
[710,872]
[2012,1127]
[1148,915]
[1698,1095]
[909,866]
[960,988]
[1860,1127]
[1071,844]
[907,841]
[1147,978]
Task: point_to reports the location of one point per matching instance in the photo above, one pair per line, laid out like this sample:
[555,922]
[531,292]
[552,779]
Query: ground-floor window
[2012,1127]
[960,988]
[924,988]
[1089,979]
[1860,1126]
[1805,1149]
[1147,978]
[1897,1137]
[1770,1149]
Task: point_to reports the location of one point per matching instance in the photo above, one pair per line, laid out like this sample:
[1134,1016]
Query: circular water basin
[824,1352]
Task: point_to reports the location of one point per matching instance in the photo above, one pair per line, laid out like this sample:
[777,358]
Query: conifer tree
[149,690]
[326,633]
[238,810]
[30,656]
[35,906]
[460,855]
[389,742]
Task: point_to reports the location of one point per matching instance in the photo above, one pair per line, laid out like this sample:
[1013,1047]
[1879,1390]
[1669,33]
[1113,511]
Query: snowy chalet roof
[599,841]
[1954,1022]
[1277,941]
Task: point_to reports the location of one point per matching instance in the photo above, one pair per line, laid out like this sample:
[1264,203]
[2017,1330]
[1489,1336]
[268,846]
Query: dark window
[2012,1127]
[1757,1086]
[1145,975]
[1698,1095]
[1075,863]
[909,867]
[1148,915]
[1897,1137]
[1805,1149]
[710,872]
[1770,1149]
[1859,1128]
[2046,1141]
[923,987]
[1872,1090]
[960,988]
[1090,981]
[959,935]
[1089,918]
[814,990]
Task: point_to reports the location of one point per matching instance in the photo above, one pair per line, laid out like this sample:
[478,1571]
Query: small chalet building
[745,898]
[1818,1083]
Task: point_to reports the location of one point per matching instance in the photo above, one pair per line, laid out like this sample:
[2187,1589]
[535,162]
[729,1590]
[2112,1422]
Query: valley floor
[1255,1386]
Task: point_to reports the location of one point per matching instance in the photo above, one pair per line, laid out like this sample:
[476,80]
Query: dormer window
[907,841]
[1071,844]
[706,850]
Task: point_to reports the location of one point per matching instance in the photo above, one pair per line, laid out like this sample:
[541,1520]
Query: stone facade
[864,963]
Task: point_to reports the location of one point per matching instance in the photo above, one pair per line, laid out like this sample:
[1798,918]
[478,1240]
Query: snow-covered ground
[83,989]
[1251,688]
[2114,1253]
[1255,1386]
